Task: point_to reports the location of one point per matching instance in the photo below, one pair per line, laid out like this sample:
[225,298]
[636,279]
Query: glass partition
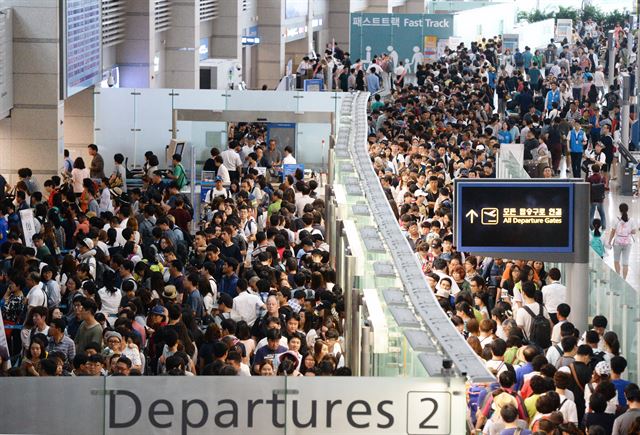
[129,119]
[114,122]
[312,145]
[609,295]
[378,274]
[199,99]
[512,168]
[153,117]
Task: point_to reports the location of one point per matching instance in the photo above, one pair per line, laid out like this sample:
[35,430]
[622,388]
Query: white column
[271,56]
[134,56]
[182,62]
[35,128]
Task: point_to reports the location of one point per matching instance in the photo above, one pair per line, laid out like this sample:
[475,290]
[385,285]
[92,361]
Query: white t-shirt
[524,319]
[499,366]
[289,160]
[110,301]
[214,193]
[133,353]
[231,159]
[36,296]
[568,409]
[223,173]
[553,295]
[246,306]
[555,332]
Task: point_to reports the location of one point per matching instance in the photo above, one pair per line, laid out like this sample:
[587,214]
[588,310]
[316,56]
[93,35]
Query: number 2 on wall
[428,413]
[423,423]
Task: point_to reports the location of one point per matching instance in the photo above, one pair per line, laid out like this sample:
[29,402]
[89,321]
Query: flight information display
[83,45]
[509,217]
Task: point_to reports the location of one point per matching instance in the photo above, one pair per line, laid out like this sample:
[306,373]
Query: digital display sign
[83,42]
[514,217]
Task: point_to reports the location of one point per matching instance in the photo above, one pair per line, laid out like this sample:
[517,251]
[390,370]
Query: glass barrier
[377,274]
[609,294]
[129,119]
[512,168]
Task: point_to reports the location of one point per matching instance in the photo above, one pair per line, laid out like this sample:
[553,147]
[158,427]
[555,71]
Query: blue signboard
[400,35]
[314,85]
[250,36]
[203,50]
[291,169]
[511,217]
[204,191]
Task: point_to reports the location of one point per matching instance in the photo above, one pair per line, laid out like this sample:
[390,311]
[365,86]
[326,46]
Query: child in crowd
[596,238]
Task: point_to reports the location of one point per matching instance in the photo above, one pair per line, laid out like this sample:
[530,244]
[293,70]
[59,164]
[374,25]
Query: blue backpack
[518,59]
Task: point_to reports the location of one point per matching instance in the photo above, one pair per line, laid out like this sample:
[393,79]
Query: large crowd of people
[448,122]
[106,280]
[111,280]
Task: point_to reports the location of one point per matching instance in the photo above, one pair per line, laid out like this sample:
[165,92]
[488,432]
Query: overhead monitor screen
[514,217]
[82,27]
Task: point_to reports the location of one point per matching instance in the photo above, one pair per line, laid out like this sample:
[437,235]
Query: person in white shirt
[599,323]
[524,319]
[554,294]
[247,148]
[288,158]
[602,370]
[303,199]
[496,364]
[110,297]
[232,161]
[555,352]
[567,405]
[221,170]
[105,197]
[246,306]
[36,296]
[218,190]
[486,333]
[562,315]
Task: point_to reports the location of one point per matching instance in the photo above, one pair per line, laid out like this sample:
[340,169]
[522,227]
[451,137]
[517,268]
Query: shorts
[621,254]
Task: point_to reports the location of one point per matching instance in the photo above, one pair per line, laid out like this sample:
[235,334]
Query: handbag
[585,166]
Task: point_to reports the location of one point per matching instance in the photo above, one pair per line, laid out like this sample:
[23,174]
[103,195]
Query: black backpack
[597,192]
[540,330]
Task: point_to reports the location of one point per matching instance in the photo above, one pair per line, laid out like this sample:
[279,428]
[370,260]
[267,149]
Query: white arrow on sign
[471,215]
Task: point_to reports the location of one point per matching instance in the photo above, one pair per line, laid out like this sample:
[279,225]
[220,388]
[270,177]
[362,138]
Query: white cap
[88,243]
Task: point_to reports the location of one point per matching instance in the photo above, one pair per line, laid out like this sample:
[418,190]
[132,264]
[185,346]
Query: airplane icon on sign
[489,216]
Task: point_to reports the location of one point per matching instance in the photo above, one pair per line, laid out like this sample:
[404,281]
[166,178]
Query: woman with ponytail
[621,239]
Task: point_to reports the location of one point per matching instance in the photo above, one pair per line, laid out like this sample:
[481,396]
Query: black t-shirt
[600,419]
[232,251]
[209,165]
[421,75]
[583,374]
[607,141]
[612,99]
[555,137]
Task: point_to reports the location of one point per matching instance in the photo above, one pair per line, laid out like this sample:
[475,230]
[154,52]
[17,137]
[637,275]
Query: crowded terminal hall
[448,123]
[113,275]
